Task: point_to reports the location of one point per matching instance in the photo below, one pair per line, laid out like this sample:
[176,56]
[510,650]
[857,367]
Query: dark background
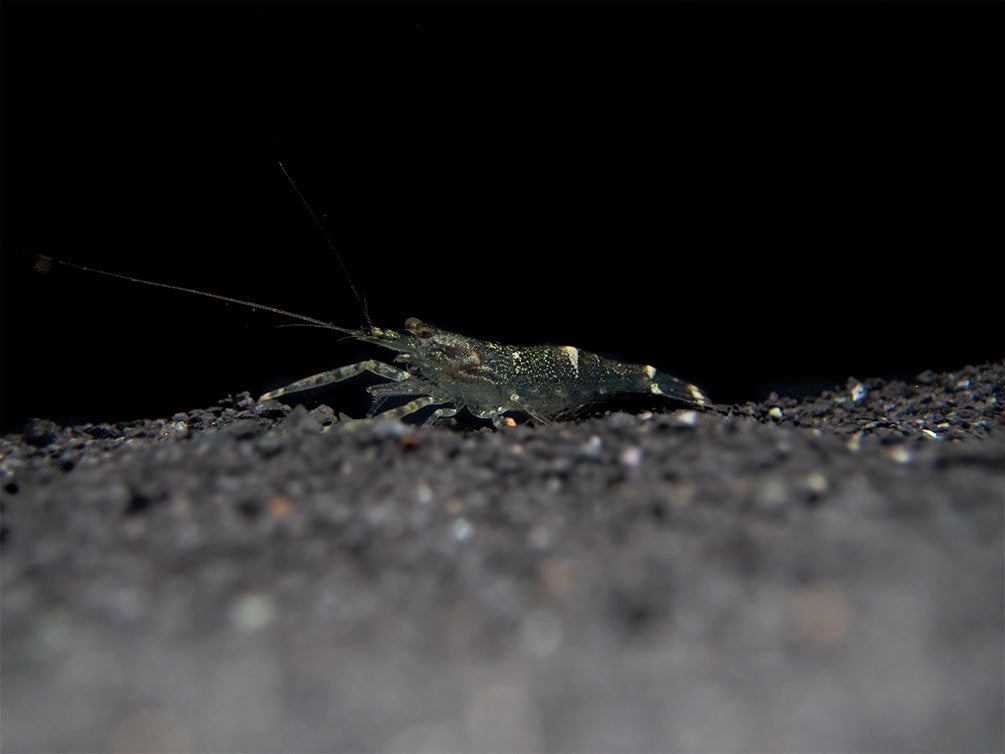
[754,197]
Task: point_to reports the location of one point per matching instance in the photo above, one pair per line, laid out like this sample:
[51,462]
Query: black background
[754,197]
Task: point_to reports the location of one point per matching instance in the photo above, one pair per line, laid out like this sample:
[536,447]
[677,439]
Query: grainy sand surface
[815,575]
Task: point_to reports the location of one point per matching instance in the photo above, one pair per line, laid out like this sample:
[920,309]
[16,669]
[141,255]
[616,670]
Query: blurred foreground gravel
[815,575]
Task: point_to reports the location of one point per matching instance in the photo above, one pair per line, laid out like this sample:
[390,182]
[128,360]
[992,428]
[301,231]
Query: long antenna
[42,258]
[331,245]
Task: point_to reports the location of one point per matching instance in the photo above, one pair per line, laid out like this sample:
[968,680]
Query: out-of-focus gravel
[815,575]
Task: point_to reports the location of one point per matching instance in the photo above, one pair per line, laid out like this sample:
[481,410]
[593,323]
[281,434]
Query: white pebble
[687,418]
[631,457]
[461,529]
[252,612]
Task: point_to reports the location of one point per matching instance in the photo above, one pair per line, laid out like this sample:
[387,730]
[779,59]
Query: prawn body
[434,367]
[490,380]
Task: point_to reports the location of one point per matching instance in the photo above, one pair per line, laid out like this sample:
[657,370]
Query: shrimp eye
[412,322]
[424,332]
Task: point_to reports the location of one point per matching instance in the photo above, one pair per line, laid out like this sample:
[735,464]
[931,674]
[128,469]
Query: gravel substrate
[824,574]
